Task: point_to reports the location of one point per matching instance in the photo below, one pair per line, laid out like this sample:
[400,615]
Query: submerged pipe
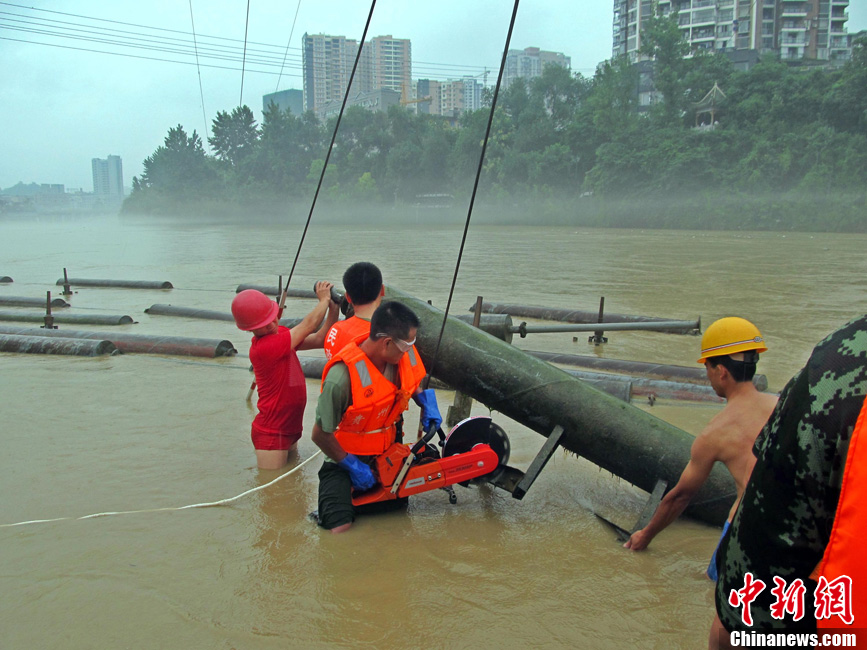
[23,301]
[55,345]
[79,319]
[206,314]
[5,279]
[128,284]
[668,326]
[276,291]
[694,375]
[571,315]
[614,435]
[138,343]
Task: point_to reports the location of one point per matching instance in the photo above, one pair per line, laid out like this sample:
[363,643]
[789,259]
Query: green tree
[235,135]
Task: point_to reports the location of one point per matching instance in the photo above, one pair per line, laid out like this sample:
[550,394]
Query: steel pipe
[5,279]
[276,291]
[668,326]
[570,315]
[23,301]
[79,319]
[127,284]
[55,345]
[138,343]
[614,435]
[207,314]
[695,375]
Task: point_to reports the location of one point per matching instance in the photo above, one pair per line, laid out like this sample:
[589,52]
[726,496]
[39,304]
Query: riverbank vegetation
[787,150]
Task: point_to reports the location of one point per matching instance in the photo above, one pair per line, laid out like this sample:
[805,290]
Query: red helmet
[253,309]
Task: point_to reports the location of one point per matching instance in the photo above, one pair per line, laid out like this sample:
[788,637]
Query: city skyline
[121,90]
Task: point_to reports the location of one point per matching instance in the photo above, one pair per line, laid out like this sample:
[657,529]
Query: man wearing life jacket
[730,349]
[364,290]
[366,387]
[803,517]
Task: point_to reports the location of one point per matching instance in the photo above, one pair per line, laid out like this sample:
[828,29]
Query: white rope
[195,505]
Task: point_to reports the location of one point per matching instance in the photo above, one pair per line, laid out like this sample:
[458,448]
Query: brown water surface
[88,435]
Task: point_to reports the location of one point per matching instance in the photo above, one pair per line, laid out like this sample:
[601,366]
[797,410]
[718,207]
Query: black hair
[740,371]
[363,283]
[393,319]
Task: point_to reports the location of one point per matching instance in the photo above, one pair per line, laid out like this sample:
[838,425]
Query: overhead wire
[475,189]
[244,56]
[199,70]
[286,53]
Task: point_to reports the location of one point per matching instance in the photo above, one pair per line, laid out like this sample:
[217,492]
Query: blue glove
[430,412]
[359,473]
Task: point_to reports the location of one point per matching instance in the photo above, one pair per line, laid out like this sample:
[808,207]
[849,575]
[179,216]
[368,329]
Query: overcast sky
[83,79]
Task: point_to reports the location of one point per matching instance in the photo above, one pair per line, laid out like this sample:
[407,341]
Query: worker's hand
[323,290]
[359,473]
[638,541]
[430,412]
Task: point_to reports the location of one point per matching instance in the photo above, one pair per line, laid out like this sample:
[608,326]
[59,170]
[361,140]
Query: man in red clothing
[364,290]
[279,379]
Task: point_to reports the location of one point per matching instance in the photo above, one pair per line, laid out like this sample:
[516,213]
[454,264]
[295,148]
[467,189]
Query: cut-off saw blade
[473,431]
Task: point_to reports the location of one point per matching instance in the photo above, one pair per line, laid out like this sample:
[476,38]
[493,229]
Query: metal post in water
[598,338]
[49,319]
[67,290]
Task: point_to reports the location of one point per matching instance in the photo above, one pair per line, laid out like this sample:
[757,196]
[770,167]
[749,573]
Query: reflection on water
[128,432]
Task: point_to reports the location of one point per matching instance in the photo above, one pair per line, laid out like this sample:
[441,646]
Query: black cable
[291,31]
[475,188]
[330,147]
[199,70]
[244,58]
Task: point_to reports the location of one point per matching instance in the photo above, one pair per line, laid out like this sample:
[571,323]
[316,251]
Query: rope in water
[194,505]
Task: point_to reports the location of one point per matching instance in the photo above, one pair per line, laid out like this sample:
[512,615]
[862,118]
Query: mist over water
[86,435]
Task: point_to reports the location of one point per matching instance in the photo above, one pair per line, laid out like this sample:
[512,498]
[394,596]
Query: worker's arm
[701,459]
[311,321]
[317,339]
[327,442]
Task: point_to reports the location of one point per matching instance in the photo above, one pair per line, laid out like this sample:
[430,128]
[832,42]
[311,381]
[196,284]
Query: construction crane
[404,98]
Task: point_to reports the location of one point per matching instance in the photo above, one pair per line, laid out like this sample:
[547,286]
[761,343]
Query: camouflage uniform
[785,518]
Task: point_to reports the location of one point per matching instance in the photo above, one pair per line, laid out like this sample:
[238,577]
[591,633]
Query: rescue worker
[730,349]
[281,384]
[362,283]
[802,516]
[366,387]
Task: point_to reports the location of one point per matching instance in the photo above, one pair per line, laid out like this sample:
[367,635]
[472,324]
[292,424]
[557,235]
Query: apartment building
[108,177]
[794,30]
[529,62]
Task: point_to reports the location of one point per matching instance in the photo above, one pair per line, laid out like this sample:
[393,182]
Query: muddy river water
[131,432]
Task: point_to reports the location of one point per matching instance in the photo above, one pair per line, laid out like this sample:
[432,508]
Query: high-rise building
[529,62]
[108,176]
[385,64]
[291,100]
[794,30]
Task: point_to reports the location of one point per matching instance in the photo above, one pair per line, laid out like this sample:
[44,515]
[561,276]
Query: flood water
[131,432]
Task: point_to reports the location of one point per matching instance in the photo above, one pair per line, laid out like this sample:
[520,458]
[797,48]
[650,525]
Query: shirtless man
[730,350]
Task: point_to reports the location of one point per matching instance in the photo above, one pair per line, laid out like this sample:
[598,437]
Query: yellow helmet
[729,336]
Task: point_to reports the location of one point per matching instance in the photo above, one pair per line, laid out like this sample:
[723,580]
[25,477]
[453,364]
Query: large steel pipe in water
[614,435]
[55,345]
[206,314]
[575,315]
[24,301]
[126,284]
[78,319]
[139,343]
[694,375]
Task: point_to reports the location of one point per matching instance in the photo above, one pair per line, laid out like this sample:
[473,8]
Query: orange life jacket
[343,332]
[368,425]
[844,554]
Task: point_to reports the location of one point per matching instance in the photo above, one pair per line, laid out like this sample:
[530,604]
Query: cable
[199,70]
[244,59]
[194,505]
[291,31]
[475,189]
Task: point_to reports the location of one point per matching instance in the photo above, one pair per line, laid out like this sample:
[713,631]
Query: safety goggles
[400,344]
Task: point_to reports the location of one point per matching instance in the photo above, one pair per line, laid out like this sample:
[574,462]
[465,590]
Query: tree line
[788,151]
